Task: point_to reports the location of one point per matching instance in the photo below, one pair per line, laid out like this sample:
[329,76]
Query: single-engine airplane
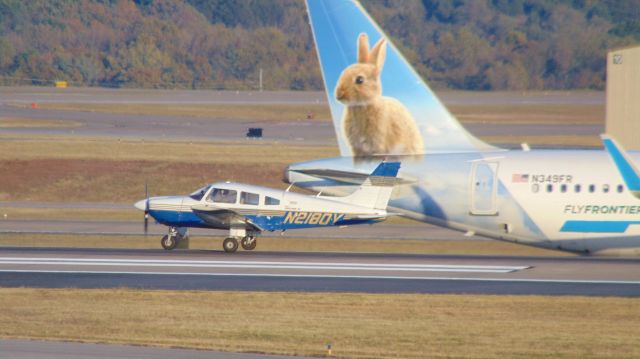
[246,210]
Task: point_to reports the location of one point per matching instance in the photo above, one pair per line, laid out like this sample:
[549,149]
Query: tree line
[223,44]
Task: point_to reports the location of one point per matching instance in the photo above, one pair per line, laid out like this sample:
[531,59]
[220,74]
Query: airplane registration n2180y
[583,201]
[246,210]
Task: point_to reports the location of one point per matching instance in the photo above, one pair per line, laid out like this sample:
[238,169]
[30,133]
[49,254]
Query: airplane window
[197,195]
[592,188]
[270,201]
[620,188]
[549,188]
[563,188]
[249,198]
[220,195]
[535,188]
[605,188]
[577,188]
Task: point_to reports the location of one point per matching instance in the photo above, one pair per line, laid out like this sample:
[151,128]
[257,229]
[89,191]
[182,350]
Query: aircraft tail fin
[379,104]
[623,162]
[376,189]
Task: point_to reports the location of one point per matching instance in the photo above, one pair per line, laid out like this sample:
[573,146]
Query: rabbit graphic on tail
[374,124]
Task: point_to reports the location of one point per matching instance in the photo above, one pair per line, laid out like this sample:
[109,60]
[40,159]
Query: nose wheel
[168,242]
[249,243]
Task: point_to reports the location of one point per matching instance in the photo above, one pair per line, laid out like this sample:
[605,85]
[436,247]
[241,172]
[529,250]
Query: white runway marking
[506,280]
[261,265]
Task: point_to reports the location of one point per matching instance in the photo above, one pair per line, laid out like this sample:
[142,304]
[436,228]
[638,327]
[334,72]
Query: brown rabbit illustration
[374,124]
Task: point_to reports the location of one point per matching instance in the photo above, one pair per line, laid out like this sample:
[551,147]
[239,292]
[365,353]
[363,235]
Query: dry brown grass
[357,325]
[552,141]
[77,214]
[65,147]
[13,122]
[530,114]
[261,112]
[286,244]
[70,169]
[489,113]
[61,180]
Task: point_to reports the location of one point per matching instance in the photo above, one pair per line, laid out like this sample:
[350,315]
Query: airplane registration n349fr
[584,201]
[247,210]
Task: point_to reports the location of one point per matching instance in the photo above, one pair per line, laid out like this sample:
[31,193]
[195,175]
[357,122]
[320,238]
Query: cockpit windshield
[197,195]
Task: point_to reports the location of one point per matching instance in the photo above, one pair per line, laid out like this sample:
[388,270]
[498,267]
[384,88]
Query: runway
[415,231]
[37,349]
[317,272]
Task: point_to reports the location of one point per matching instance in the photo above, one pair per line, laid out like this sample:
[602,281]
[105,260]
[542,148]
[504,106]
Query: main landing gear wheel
[168,242]
[249,243]
[230,245]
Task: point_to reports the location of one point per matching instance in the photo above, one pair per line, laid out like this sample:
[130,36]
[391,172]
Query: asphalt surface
[317,272]
[16,103]
[35,349]
[415,231]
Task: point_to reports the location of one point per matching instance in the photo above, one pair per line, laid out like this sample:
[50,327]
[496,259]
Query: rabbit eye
[360,80]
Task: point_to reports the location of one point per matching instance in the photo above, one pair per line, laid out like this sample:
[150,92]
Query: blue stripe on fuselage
[302,219]
[178,219]
[597,226]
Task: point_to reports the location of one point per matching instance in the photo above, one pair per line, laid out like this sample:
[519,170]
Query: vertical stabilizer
[375,191]
[379,104]
[624,164]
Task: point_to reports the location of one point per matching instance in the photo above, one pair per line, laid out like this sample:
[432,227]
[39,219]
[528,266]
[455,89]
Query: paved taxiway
[416,230]
[273,271]
[35,349]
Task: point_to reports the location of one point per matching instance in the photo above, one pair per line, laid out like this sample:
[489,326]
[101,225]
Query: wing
[222,218]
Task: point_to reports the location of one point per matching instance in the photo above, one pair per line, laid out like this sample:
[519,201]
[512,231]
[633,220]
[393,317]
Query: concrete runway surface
[37,349]
[317,272]
[417,231]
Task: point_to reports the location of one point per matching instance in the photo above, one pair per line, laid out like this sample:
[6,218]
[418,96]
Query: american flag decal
[520,178]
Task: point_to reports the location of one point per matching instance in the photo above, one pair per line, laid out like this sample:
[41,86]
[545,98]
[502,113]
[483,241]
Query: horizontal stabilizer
[376,189]
[353,177]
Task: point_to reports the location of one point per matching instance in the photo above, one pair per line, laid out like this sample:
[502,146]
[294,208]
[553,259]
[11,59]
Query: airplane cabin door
[483,189]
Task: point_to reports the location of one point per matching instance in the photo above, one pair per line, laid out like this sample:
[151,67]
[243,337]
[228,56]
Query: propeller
[146,209]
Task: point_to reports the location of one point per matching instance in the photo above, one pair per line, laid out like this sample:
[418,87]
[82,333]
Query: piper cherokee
[247,210]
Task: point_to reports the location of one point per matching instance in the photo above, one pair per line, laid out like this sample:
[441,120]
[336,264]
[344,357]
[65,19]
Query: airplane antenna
[146,208]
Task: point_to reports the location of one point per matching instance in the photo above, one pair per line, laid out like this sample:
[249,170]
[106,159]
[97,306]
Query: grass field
[80,169]
[529,114]
[286,244]
[357,325]
[486,113]
[238,112]
[14,122]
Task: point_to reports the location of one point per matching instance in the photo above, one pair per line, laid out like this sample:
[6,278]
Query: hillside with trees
[223,44]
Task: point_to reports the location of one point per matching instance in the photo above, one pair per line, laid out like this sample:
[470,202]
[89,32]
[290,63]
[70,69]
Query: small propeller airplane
[247,210]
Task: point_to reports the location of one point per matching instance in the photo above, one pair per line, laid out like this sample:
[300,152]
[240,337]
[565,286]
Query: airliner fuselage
[573,200]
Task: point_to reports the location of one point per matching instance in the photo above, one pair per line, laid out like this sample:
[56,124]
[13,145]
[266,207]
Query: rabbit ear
[378,54]
[363,48]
